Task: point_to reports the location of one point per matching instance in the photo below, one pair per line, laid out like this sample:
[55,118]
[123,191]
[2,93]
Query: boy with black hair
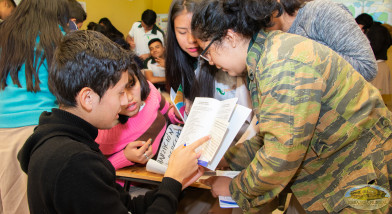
[154,66]
[67,173]
[77,15]
[142,32]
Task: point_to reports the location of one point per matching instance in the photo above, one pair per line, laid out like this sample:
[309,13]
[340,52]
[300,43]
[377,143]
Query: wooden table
[138,173]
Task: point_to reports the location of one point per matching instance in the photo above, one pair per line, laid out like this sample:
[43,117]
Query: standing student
[324,130]
[142,32]
[142,119]
[330,24]
[154,66]
[28,40]
[67,173]
[198,79]
[6,7]
[183,67]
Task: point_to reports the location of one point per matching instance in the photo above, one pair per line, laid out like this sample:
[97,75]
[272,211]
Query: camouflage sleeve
[239,157]
[290,92]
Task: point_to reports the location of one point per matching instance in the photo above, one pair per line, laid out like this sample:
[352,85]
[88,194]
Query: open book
[220,119]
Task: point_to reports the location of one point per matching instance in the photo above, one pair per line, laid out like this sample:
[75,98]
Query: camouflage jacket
[324,128]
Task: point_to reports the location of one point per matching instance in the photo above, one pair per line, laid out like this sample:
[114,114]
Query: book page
[217,133]
[200,120]
[226,109]
[237,119]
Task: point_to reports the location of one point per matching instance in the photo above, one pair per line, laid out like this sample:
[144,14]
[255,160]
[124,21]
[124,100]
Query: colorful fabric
[323,128]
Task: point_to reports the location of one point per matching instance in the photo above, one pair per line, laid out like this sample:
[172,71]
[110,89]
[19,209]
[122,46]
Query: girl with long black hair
[28,39]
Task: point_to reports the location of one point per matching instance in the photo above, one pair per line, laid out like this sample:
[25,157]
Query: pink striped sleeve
[119,160]
[172,116]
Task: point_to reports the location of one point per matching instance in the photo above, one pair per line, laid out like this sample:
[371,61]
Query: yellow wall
[122,13]
[161,6]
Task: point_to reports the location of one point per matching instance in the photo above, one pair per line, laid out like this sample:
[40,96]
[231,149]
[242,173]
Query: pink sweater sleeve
[172,116]
[119,160]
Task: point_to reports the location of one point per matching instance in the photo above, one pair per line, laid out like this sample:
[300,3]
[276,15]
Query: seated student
[155,65]
[141,33]
[67,173]
[142,119]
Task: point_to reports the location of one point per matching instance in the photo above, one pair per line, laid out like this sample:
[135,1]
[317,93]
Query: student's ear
[232,38]
[86,98]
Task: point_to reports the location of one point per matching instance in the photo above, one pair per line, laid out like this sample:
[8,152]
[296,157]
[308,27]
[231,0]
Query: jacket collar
[154,28]
[255,50]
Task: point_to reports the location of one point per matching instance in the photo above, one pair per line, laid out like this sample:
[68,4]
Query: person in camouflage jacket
[323,128]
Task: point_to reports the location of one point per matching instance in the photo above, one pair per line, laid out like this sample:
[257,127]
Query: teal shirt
[19,107]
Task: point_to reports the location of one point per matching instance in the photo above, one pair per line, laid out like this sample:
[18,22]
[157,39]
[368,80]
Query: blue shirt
[19,107]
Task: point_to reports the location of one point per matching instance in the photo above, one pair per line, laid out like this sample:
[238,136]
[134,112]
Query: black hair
[213,18]
[144,86]
[134,72]
[380,40]
[92,26]
[96,27]
[291,6]
[117,39]
[19,33]
[111,31]
[121,41]
[149,17]
[154,40]
[366,20]
[76,11]
[86,59]
[180,66]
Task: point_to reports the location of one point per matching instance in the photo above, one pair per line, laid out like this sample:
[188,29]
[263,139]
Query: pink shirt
[148,123]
